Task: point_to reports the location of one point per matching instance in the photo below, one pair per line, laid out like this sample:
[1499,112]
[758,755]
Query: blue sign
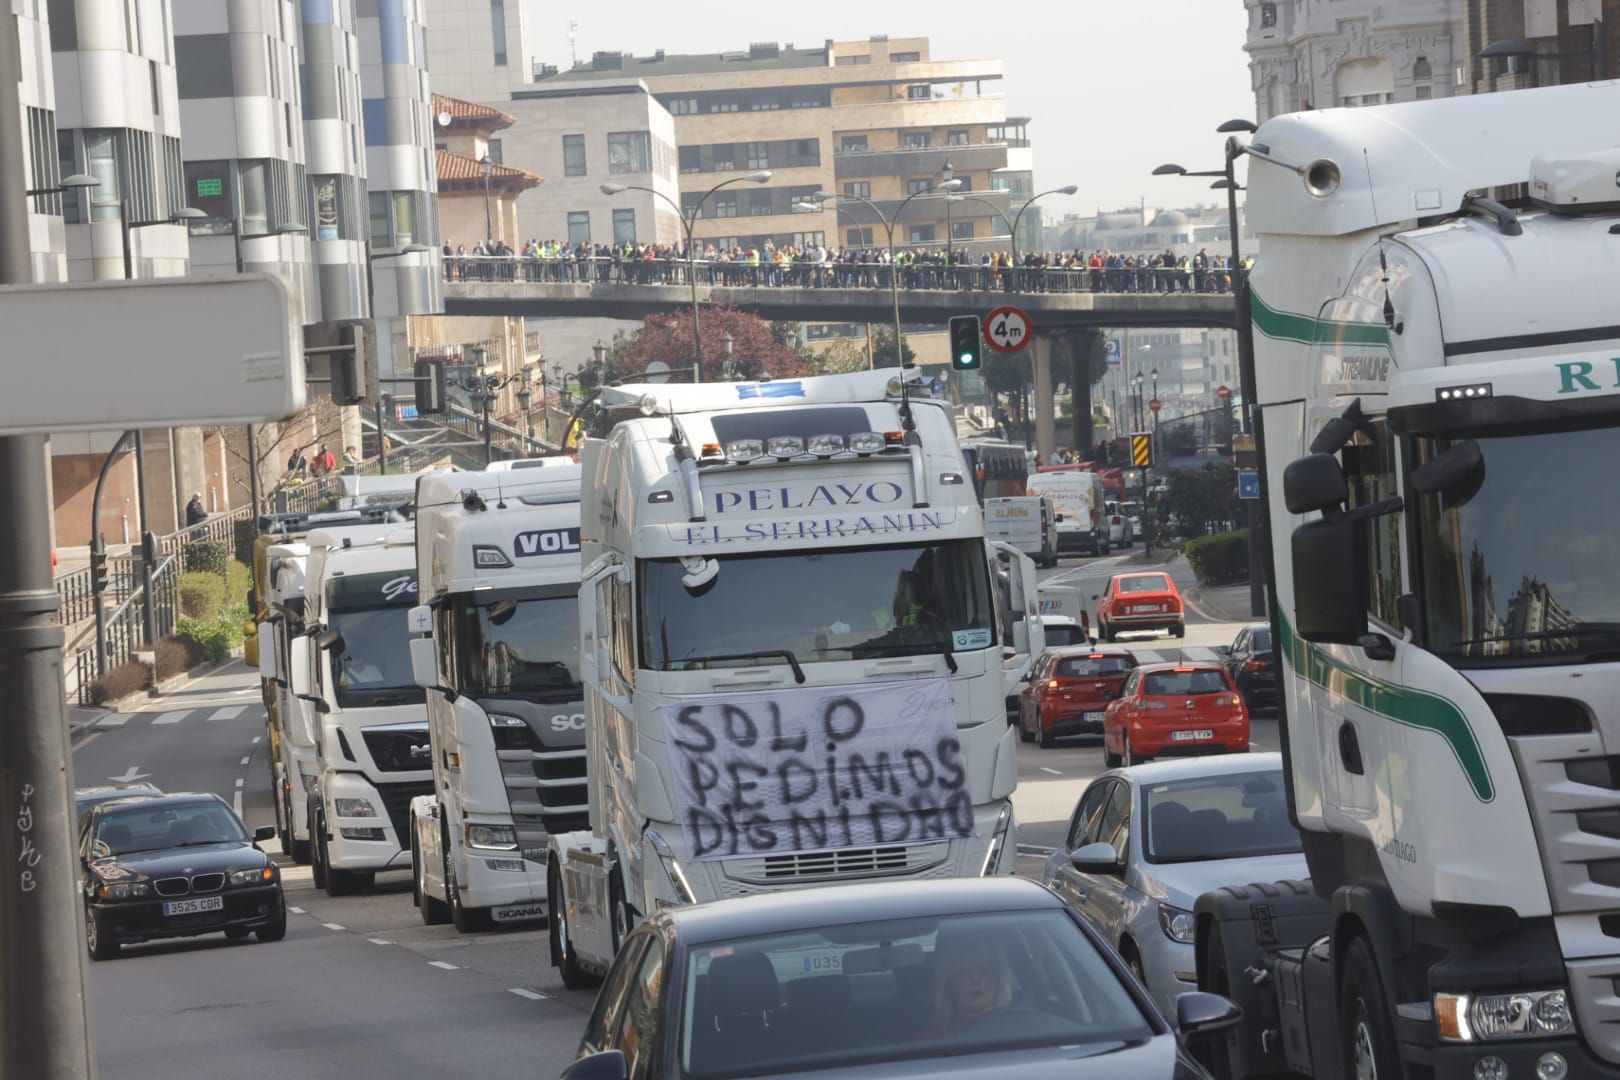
[1111,349]
[1248,485]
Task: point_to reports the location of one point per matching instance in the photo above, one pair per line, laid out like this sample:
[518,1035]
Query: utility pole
[44,1008]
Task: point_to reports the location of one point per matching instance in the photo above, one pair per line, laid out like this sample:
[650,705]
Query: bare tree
[316,424]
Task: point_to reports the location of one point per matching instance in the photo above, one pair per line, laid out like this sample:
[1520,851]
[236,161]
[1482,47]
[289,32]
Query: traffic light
[349,371]
[430,387]
[98,571]
[967,339]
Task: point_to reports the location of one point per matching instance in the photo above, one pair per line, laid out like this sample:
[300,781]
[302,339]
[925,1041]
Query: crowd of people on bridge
[816,265]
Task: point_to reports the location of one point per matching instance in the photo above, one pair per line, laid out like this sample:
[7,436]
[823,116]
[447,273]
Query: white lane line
[379,941]
[113,720]
[229,712]
[295,910]
[1147,656]
[444,966]
[525,992]
[1054,772]
[240,781]
[244,761]
[256,739]
[171,718]
[1199,652]
[236,803]
[334,926]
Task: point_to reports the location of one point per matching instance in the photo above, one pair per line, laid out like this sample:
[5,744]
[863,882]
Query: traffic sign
[1155,404]
[1248,485]
[1008,329]
[1142,450]
[1111,350]
[1223,392]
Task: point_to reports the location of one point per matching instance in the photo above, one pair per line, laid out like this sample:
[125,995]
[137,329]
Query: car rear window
[1065,635]
[1087,666]
[1178,683]
[1260,641]
[1145,583]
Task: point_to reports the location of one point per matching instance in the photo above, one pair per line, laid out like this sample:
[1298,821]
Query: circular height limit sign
[1007,329]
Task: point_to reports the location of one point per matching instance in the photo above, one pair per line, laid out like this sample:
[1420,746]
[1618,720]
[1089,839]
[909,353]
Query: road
[360,988]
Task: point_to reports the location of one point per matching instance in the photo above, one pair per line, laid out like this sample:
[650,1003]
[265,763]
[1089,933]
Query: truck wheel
[435,912]
[1366,1037]
[317,862]
[1215,1053]
[1024,734]
[563,959]
[298,849]
[618,910]
[466,920]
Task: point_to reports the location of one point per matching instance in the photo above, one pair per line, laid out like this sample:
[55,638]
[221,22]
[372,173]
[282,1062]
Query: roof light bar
[1471,392]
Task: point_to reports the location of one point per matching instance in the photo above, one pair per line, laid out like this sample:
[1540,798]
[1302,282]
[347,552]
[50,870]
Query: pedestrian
[351,460]
[195,514]
[297,465]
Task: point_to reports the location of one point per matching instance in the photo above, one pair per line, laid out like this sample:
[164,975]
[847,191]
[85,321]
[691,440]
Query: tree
[318,423]
[1204,500]
[883,355]
[841,357]
[756,350]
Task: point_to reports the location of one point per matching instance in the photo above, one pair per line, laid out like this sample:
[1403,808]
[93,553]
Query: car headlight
[125,890]
[1530,1014]
[262,876]
[498,837]
[353,808]
[1177,925]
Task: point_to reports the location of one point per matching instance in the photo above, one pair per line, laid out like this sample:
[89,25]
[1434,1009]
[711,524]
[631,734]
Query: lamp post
[289,228]
[525,398]
[888,223]
[371,309]
[1066,189]
[728,343]
[688,222]
[487,168]
[947,171]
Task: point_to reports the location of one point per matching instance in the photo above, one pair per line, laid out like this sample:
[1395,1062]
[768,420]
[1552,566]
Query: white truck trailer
[1440,406]
[352,665]
[793,648]
[498,559]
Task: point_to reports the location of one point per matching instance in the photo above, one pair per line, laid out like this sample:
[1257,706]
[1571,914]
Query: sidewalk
[228,681]
[1222,603]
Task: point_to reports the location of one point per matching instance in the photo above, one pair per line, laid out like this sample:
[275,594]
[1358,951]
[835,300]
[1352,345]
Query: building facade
[479,48]
[333,134]
[1551,42]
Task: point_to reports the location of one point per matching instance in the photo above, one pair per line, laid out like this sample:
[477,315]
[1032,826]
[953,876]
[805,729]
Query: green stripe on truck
[1287,326]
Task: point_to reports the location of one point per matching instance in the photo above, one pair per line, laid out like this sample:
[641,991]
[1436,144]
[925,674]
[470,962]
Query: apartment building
[480,48]
[1515,44]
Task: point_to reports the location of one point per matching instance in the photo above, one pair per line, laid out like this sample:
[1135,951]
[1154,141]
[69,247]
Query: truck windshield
[527,649]
[374,666]
[845,604]
[1525,569]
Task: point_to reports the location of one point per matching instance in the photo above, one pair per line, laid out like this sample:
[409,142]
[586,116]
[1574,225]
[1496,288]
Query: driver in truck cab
[906,611]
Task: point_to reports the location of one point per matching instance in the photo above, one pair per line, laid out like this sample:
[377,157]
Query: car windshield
[901,990]
[1519,563]
[525,649]
[842,604]
[1094,666]
[1065,634]
[1145,583]
[1239,816]
[1182,683]
[374,666]
[167,825]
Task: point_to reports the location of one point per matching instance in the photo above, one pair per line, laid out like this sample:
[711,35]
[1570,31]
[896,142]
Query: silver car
[1145,842]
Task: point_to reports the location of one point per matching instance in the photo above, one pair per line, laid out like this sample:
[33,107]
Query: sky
[1114,88]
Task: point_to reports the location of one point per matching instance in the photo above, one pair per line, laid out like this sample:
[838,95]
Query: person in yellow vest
[752,262]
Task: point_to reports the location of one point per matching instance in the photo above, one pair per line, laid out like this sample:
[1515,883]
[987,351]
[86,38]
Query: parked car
[1145,601]
[1253,670]
[1144,843]
[1189,708]
[170,866]
[1120,532]
[968,977]
[1069,691]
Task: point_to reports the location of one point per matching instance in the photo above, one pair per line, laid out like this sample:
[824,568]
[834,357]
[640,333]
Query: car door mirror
[1224,650]
[602,1065]
[263,833]
[1200,1015]
[1098,858]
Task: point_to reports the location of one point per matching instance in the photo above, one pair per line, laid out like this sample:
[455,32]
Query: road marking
[256,739]
[130,776]
[525,992]
[229,712]
[334,926]
[236,803]
[171,718]
[295,910]
[379,941]
[1199,652]
[244,761]
[113,720]
[443,966]
[1054,772]
[240,781]
[1147,656]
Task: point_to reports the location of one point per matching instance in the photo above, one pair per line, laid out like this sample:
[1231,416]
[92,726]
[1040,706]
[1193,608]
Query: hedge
[1221,559]
[208,556]
[178,654]
[219,635]
[202,594]
[119,682]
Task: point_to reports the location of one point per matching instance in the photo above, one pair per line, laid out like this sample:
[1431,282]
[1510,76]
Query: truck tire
[435,912]
[298,849]
[563,959]
[619,920]
[1367,1049]
[1215,1053]
[466,920]
[317,861]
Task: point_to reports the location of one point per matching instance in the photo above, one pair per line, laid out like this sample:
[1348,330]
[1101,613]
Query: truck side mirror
[267,659]
[1455,474]
[1315,482]
[331,640]
[1330,582]
[298,665]
[425,663]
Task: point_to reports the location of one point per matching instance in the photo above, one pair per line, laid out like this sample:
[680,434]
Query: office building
[479,48]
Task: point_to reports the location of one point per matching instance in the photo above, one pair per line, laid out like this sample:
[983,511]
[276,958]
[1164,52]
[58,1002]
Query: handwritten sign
[852,766]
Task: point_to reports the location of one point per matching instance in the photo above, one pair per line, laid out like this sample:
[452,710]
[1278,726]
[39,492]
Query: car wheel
[317,860]
[276,928]
[1366,1038]
[1180,630]
[1024,732]
[1108,633]
[466,920]
[1130,755]
[573,976]
[1047,737]
[1110,759]
[100,944]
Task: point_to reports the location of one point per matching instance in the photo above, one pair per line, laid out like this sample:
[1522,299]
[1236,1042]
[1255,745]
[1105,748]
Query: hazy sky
[1114,88]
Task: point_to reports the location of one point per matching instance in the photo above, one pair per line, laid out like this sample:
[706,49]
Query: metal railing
[124,633]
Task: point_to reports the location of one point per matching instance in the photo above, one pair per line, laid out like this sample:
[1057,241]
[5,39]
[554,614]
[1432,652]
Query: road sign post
[1142,458]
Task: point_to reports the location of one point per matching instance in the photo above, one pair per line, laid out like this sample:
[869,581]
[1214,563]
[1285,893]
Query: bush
[119,682]
[219,635]
[178,654]
[1221,559]
[243,534]
[238,580]
[207,556]
[202,594]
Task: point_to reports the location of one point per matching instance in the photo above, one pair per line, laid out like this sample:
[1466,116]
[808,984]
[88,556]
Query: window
[852,144]
[208,188]
[922,234]
[961,230]
[725,204]
[965,185]
[861,189]
[1422,79]
[42,159]
[1369,467]
[760,202]
[624,226]
[101,157]
[377,206]
[405,218]
[904,57]
[853,61]
[497,26]
[919,186]
[764,104]
[725,157]
[956,138]
[691,159]
[629,151]
[919,93]
[759,155]
[573,155]
[1114,827]
[859,237]
[72,208]
[915,139]
[1268,16]
[328,216]
[809,239]
[1095,798]
[722,106]
[494,151]
[174,177]
[638,1035]
[683,106]
[255,205]
[579,226]
[802,152]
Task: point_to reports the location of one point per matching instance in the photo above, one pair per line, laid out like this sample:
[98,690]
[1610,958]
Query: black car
[982,977]
[86,797]
[1253,669]
[170,866]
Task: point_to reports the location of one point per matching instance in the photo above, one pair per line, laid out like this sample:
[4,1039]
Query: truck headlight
[264,875]
[353,808]
[495,837]
[1530,1014]
[1177,925]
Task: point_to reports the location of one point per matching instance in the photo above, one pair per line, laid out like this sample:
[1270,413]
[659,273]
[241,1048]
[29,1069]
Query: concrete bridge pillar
[1045,397]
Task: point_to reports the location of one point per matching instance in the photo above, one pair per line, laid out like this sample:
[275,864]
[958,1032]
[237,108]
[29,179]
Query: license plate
[1191,736]
[1092,717]
[192,907]
[518,913]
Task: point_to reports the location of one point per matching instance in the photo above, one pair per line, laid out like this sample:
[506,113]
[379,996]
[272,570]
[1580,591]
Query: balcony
[919,161]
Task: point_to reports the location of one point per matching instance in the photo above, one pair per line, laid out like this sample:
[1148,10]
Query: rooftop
[467,114]
[458,172]
[767,56]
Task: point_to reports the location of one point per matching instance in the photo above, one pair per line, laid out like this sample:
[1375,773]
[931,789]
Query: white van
[1077,502]
[1026,522]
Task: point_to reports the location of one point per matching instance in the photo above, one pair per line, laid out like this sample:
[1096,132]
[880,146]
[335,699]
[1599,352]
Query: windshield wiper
[906,648]
[763,654]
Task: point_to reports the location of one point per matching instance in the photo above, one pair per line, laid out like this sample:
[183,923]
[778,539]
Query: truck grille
[547,786]
[399,749]
[843,863]
[397,804]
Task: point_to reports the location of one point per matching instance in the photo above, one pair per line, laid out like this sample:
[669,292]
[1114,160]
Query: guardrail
[124,633]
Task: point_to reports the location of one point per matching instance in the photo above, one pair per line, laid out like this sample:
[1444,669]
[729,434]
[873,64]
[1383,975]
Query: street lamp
[371,309]
[688,222]
[487,168]
[1066,189]
[728,343]
[525,398]
[947,172]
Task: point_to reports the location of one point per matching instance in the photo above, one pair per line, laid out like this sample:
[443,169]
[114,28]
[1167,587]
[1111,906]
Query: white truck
[1077,498]
[352,665]
[793,647]
[292,732]
[498,561]
[1440,412]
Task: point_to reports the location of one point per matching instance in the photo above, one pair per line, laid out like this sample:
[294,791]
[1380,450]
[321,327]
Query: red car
[1147,601]
[1174,709]
[1068,691]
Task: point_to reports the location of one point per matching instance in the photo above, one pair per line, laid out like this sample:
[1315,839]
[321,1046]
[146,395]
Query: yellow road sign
[1142,451]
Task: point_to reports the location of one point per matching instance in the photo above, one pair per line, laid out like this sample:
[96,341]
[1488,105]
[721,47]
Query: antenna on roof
[1383,262]
[573,36]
